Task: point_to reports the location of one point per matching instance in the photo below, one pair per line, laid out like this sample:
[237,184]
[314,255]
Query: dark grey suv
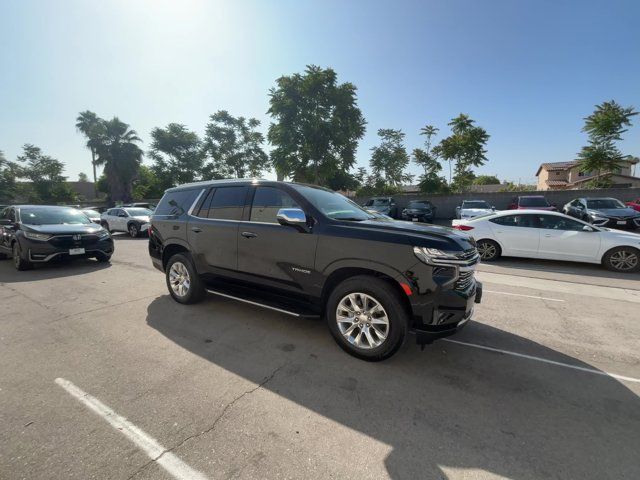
[303,250]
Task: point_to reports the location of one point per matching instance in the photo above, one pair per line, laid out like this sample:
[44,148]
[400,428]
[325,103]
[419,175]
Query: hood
[632,238]
[143,218]
[475,211]
[549,208]
[63,229]
[614,212]
[418,209]
[414,234]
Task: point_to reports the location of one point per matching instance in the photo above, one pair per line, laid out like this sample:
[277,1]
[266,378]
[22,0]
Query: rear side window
[527,221]
[266,203]
[176,203]
[226,203]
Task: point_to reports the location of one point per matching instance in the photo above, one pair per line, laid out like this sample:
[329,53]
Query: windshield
[533,202]
[419,205]
[53,216]
[334,205]
[475,204]
[91,213]
[138,212]
[602,203]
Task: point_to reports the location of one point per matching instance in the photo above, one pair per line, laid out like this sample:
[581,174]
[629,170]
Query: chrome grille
[464,281]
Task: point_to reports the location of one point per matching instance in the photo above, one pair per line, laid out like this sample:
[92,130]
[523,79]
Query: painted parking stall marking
[523,295]
[156,452]
[544,360]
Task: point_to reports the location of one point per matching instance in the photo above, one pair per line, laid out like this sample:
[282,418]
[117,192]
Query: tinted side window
[206,204]
[266,203]
[553,222]
[515,221]
[228,203]
[176,203]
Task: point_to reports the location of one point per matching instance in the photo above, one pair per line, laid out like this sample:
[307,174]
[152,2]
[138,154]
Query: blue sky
[528,72]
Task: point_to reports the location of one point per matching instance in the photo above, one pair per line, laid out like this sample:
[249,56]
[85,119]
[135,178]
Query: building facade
[567,176]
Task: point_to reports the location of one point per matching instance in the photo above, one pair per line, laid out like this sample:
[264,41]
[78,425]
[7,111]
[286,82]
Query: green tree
[234,147]
[486,180]
[48,185]
[390,159]
[317,125]
[82,177]
[91,126]
[147,185]
[8,174]
[430,181]
[604,127]
[177,155]
[465,147]
[118,152]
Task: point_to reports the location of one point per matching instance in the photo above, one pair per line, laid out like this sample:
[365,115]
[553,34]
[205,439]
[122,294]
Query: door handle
[547,234]
[249,234]
[196,229]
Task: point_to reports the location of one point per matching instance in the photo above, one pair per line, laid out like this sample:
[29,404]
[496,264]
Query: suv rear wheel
[20,263]
[366,318]
[183,281]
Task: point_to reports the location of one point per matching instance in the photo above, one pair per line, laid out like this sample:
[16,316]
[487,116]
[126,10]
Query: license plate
[621,222]
[76,251]
[414,219]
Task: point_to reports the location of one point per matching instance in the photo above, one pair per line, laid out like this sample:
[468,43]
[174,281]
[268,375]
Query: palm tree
[89,124]
[117,151]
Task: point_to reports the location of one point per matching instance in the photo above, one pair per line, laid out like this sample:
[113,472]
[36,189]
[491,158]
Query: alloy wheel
[487,250]
[624,260]
[362,320]
[179,279]
[133,231]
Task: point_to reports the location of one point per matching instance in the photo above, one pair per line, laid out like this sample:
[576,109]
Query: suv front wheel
[366,318]
[183,281]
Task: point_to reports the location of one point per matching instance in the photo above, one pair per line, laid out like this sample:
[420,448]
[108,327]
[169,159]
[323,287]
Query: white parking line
[172,464]
[544,360]
[523,295]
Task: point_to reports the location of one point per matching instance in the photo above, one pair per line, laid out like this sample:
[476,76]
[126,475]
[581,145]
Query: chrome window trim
[195,202]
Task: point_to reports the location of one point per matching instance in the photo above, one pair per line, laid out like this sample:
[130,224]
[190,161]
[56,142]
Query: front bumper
[420,217]
[616,222]
[41,252]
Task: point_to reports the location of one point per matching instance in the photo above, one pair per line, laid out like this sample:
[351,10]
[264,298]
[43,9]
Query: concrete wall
[446,204]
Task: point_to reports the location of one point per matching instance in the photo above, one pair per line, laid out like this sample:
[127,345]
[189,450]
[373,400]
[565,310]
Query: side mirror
[292,217]
[587,228]
[122,215]
[493,207]
[458,208]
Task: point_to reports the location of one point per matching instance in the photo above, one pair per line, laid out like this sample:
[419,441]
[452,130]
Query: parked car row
[552,236]
[603,212]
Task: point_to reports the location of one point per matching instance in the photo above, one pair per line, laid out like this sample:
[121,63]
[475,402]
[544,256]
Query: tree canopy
[317,125]
[604,128]
[389,159]
[48,185]
[234,147]
[177,156]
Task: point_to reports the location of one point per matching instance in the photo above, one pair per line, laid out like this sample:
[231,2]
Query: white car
[473,208]
[552,236]
[133,220]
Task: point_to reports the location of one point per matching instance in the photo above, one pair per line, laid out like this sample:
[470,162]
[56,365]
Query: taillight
[464,228]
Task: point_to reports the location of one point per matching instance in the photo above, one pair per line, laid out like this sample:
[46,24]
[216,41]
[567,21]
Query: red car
[530,202]
[635,204]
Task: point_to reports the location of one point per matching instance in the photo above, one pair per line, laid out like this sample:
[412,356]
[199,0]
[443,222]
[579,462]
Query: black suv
[303,250]
[33,234]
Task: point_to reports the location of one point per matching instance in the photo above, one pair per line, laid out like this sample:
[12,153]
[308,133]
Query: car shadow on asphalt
[49,270]
[446,408]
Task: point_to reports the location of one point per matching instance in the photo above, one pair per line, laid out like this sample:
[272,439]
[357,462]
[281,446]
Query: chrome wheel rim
[133,231]
[487,250]
[362,321]
[179,279]
[624,260]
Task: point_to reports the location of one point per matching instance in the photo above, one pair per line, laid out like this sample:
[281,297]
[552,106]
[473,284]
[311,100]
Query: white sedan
[552,236]
[473,208]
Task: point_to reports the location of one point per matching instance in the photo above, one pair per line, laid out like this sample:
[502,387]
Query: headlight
[103,234]
[432,255]
[37,236]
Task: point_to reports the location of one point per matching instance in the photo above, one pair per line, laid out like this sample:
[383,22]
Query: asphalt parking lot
[104,376]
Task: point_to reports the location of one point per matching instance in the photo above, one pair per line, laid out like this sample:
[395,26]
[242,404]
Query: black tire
[622,259]
[133,229]
[20,263]
[195,291]
[103,258]
[388,298]
[489,250]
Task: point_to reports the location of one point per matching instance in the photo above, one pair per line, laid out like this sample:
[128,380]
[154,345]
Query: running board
[257,304]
